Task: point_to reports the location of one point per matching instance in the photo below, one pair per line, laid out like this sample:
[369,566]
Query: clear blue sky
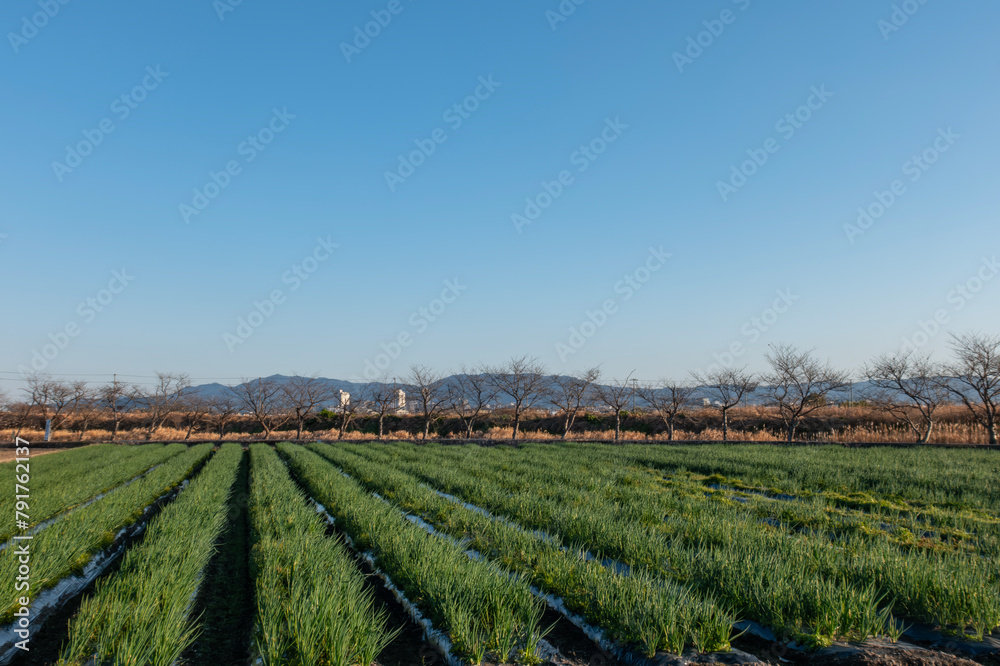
[656,185]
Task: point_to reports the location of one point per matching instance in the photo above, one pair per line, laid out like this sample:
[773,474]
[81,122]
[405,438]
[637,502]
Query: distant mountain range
[215,390]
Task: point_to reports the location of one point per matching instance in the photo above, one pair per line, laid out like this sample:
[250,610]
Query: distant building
[400,400]
[345,399]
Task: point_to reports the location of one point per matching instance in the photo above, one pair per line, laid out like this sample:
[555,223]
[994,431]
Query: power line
[111,375]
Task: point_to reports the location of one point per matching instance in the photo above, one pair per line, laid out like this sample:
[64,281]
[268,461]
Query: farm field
[575,553]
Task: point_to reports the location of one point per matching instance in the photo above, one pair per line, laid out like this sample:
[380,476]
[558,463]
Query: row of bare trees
[908,387]
[913,388]
[78,406]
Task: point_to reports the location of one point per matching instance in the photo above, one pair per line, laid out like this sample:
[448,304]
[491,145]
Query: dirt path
[7,454]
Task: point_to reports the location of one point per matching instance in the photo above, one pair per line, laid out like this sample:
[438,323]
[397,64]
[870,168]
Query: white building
[345,399]
[400,400]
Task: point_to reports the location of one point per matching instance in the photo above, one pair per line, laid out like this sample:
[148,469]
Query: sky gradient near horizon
[590,116]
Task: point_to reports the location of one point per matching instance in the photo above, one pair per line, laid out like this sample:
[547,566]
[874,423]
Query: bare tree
[974,378]
[728,386]
[524,380]
[348,405]
[667,398]
[571,393]
[429,392]
[907,387]
[305,395]
[383,396]
[118,399]
[222,409]
[20,415]
[38,391]
[265,401]
[799,383]
[6,406]
[616,396]
[162,399]
[468,396]
[195,412]
[83,407]
[52,397]
[62,396]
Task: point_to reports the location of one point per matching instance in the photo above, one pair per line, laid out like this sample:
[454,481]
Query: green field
[648,549]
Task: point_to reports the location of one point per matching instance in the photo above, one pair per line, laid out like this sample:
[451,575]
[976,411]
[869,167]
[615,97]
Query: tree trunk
[298,430]
[344,421]
[517,425]
[670,430]
[725,424]
[427,428]
[791,430]
[618,425]
[114,432]
[468,429]
[381,429]
[926,436]
[992,430]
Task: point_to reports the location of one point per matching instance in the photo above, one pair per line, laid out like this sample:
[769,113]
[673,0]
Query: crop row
[487,612]
[641,610]
[67,545]
[312,605]
[941,587]
[913,524]
[62,481]
[142,614]
[798,583]
[921,475]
